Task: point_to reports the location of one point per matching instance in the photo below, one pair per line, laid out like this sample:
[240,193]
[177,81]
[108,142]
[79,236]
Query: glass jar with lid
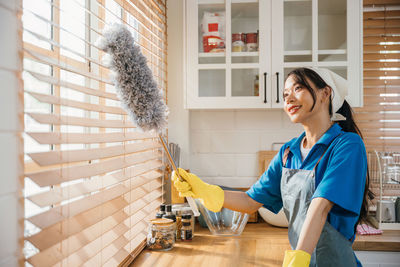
[161,234]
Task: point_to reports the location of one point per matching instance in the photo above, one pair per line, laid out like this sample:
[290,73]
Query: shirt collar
[326,139]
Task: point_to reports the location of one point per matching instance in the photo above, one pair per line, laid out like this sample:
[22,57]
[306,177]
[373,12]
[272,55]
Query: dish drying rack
[384,183]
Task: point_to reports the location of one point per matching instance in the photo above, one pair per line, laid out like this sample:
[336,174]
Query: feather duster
[134,81]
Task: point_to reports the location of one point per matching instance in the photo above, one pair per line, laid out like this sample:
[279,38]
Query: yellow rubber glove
[212,196]
[296,258]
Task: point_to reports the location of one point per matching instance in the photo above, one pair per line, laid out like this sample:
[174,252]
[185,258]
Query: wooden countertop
[259,245]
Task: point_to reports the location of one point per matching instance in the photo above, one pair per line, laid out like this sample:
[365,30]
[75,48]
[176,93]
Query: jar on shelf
[256,86]
[161,234]
[252,42]
[238,42]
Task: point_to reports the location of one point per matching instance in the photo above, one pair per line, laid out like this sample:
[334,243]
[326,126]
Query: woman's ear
[326,93]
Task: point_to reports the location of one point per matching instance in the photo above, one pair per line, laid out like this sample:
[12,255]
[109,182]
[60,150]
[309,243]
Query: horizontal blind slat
[380,2]
[55,100]
[384,31]
[83,89]
[59,175]
[381,14]
[383,47]
[78,121]
[86,138]
[378,125]
[378,65]
[380,100]
[376,116]
[380,23]
[378,82]
[377,73]
[376,108]
[58,157]
[64,66]
[380,39]
[373,57]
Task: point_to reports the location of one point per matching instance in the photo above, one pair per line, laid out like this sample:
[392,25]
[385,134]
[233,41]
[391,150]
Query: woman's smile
[292,109]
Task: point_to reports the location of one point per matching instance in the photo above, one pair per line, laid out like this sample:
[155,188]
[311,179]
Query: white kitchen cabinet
[291,34]
[378,258]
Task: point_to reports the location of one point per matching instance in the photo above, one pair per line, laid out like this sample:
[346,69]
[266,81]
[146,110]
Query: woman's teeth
[293,110]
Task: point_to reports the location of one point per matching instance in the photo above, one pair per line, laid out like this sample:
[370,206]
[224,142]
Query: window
[92,179]
[379,119]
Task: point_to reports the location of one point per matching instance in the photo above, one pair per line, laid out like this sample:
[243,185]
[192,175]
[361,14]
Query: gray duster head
[133,79]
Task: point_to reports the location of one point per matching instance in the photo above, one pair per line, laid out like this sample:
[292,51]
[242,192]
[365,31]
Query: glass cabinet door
[332,30]
[211,21]
[245,49]
[244,32]
[298,32]
[224,54]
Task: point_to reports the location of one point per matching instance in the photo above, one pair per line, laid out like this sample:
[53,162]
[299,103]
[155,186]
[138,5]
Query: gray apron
[297,188]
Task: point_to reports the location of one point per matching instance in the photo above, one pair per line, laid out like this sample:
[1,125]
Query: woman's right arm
[240,201]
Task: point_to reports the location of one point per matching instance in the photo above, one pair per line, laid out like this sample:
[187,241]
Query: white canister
[385,211]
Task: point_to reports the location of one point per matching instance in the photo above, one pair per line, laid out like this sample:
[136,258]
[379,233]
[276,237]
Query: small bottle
[169,214]
[256,86]
[161,212]
[178,224]
[186,230]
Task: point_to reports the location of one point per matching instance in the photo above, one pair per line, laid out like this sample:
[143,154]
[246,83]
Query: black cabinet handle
[265,87]
[277,87]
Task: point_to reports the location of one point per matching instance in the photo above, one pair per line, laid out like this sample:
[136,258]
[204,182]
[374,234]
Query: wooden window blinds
[92,179]
[379,119]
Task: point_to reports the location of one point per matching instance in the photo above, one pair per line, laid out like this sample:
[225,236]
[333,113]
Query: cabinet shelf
[297,0]
[234,54]
[297,52]
[245,54]
[217,54]
[311,64]
[332,52]
[320,52]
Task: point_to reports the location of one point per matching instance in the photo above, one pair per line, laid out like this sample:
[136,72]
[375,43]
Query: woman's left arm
[310,233]
[313,224]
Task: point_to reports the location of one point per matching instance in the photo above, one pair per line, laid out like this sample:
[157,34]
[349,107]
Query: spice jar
[161,234]
[161,212]
[188,211]
[178,224]
[252,42]
[186,230]
[256,86]
[238,42]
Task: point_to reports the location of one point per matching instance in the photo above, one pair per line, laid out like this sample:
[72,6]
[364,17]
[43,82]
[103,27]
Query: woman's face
[298,101]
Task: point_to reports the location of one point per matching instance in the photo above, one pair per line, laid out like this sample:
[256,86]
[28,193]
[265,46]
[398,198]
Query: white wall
[224,144]
[11,115]
[219,146]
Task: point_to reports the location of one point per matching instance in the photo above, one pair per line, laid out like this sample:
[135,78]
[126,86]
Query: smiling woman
[328,179]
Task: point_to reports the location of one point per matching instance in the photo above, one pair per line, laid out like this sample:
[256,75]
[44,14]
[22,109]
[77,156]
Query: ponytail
[349,125]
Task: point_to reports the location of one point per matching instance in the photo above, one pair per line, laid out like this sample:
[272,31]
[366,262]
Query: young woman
[319,179]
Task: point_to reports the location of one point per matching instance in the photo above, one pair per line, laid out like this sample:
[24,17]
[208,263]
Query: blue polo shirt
[340,176]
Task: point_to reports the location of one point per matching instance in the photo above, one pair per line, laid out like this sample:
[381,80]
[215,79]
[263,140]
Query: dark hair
[302,76]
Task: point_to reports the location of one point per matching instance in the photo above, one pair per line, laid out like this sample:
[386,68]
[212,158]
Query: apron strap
[285,156]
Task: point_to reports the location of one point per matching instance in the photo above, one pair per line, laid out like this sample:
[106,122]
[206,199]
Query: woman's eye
[297,88]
